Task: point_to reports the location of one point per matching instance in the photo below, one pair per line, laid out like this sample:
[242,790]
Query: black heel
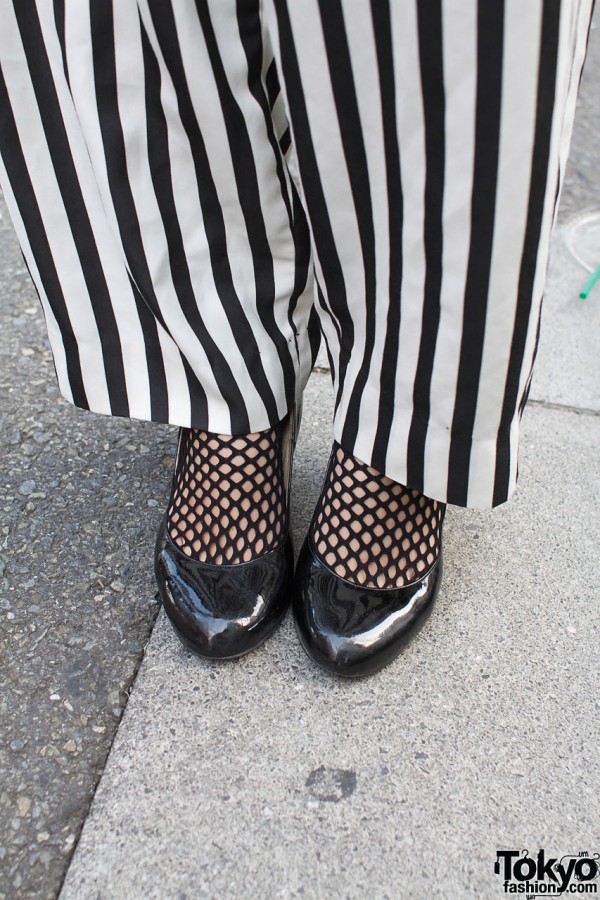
[351,630]
[224,611]
[356,625]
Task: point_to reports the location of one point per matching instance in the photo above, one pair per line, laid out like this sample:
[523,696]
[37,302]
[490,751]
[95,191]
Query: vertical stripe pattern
[200,187]
[478,108]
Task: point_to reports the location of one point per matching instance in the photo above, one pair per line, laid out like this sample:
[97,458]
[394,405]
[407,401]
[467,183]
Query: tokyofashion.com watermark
[544,875]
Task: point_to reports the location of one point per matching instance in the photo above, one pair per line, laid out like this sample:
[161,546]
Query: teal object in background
[590,283]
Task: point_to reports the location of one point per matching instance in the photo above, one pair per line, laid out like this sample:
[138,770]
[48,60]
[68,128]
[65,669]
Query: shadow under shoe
[352,630]
[222,611]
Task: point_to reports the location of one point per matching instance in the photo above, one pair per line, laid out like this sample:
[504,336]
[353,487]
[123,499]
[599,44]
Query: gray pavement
[566,370]
[266,777]
[80,499]
[581,188]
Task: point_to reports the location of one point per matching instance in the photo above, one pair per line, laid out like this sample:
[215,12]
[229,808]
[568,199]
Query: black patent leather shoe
[224,611]
[350,630]
[221,612]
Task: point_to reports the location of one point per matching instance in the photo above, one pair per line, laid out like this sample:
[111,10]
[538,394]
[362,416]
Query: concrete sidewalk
[266,777]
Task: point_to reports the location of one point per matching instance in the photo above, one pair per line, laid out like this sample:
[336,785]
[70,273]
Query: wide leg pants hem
[487,457]
[184,411]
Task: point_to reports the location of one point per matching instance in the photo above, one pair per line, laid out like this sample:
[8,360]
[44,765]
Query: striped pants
[201,188]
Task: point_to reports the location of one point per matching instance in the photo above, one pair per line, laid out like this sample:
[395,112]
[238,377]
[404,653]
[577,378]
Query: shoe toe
[223,611]
[351,630]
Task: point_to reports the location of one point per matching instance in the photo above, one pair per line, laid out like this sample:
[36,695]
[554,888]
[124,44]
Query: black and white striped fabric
[199,187]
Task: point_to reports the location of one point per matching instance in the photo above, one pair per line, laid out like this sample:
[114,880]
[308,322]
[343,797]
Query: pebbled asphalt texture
[81,498]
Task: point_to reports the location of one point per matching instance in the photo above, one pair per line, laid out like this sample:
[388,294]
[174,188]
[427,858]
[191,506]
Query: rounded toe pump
[354,631]
[223,611]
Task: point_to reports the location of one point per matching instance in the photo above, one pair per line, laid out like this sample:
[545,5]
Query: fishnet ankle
[228,502]
[372,531]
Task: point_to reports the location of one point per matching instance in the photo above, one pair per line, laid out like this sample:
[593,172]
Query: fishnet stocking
[372,531]
[228,502]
